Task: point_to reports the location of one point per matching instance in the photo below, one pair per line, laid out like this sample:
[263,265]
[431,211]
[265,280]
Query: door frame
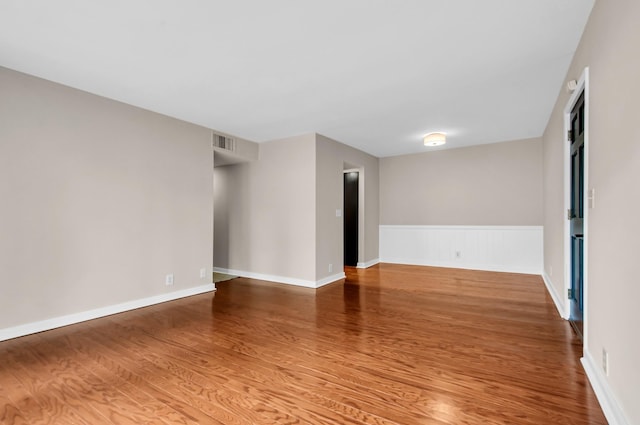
[357,217]
[582,85]
[347,168]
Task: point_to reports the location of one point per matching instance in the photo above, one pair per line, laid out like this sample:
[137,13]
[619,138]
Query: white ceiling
[374,74]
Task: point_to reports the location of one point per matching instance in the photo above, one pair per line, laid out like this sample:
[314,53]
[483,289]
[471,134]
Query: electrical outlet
[605,362]
[330,268]
[168,280]
[550,271]
[203,273]
[457,254]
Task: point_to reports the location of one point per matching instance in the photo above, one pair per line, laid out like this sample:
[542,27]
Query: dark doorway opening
[351,182]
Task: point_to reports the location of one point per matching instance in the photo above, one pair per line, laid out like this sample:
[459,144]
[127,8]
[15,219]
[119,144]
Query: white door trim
[583,85]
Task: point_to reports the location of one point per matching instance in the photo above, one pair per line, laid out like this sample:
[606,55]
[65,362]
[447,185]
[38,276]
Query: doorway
[576,215]
[351,213]
[578,201]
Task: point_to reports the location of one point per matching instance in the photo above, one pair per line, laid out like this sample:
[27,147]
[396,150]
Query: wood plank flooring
[392,344]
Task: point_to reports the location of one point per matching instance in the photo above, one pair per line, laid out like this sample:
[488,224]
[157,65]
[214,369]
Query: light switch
[338,213]
[591,196]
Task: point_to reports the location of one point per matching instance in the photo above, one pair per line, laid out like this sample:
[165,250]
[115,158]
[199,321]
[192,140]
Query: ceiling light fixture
[435,139]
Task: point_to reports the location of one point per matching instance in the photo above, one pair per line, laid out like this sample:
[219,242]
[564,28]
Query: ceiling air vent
[223,142]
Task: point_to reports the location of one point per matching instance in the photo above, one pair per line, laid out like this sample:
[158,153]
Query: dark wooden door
[576,215]
[351,219]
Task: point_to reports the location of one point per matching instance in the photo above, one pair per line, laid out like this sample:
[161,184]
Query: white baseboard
[330,279]
[515,249]
[368,264]
[282,279]
[554,296]
[462,265]
[58,322]
[608,402]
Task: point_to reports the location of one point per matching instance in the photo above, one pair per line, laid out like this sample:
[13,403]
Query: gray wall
[609,47]
[100,201]
[496,184]
[265,211]
[331,158]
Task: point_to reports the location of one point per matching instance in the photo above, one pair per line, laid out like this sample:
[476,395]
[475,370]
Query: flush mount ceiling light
[435,139]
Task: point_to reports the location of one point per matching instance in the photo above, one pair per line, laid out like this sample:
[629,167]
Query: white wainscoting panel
[516,249]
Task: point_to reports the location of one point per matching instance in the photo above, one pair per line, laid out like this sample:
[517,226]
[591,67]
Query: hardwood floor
[392,345]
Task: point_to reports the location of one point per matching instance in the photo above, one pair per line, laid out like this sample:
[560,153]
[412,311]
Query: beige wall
[265,211]
[277,216]
[330,163]
[99,201]
[496,184]
[609,47]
